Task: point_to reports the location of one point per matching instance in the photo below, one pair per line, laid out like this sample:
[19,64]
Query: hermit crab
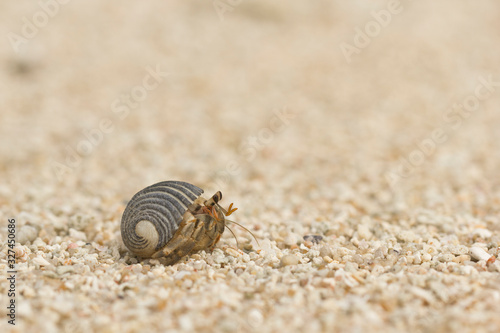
[171,219]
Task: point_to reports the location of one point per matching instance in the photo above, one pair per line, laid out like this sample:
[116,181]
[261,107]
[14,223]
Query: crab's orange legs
[214,213]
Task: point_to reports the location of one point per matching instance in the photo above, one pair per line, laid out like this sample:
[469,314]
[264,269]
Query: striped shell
[154,214]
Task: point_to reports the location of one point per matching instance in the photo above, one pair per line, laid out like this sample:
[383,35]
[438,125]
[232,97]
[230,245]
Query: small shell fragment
[315,239]
[72,246]
[41,261]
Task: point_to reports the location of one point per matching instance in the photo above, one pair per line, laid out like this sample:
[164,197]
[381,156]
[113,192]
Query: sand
[359,140]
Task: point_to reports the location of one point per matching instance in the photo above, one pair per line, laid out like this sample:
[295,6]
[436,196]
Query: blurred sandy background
[259,100]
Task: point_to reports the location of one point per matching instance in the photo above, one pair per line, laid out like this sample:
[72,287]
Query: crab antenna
[244,229]
[236,239]
[221,208]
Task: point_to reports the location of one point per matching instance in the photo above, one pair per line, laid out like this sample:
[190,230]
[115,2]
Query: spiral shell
[154,214]
[171,219]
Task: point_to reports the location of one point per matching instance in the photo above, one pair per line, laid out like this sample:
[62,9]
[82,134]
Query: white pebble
[406,236]
[180,275]
[483,233]
[27,233]
[351,267]
[185,322]
[77,235]
[289,259]
[317,261]
[467,270]
[479,254]
[364,232]
[417,259]
[325,250]
[255,318]
[291,239]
